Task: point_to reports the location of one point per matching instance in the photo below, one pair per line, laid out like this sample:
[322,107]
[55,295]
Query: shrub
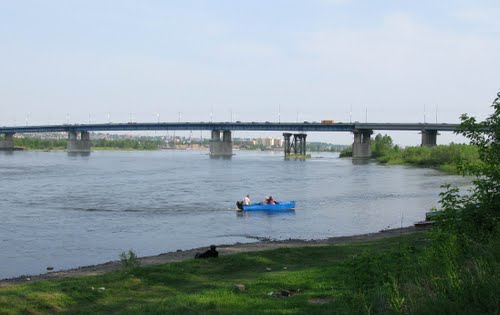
[129,260]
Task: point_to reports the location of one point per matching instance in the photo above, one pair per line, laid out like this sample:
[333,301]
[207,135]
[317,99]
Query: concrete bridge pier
[297,145]
[429,138]
[287,145]
[7,143]
[361,147]
[79,143]
[300,143]
[221,148]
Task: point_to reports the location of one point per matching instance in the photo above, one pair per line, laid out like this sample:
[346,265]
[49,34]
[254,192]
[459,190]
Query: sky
[274,60]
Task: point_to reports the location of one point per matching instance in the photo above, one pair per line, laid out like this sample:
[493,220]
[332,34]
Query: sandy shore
[223,250]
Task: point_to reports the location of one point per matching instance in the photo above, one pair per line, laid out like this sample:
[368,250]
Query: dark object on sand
[208,254]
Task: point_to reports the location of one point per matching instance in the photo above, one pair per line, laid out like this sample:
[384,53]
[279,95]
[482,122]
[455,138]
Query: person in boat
[266,200]
[270,201]
[246,200]
[211,253]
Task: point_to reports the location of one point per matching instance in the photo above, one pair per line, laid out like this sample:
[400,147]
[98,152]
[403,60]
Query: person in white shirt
[246,200]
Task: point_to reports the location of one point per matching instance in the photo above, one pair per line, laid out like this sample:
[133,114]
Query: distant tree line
[40,144]
[135,144]
[58,144]
[324,147]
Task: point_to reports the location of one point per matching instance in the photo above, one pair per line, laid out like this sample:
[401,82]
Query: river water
[69,211]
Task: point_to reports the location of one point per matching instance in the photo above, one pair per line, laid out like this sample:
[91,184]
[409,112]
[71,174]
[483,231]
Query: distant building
[269,142]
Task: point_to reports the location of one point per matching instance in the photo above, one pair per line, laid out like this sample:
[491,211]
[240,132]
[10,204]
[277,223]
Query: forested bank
[115,144]
[444,157]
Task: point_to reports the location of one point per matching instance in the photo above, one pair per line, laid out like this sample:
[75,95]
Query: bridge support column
[361,147]
[287,146]
[429,138]
[7,143]
[300,143]
[297,145]
[221,148]
[79,143]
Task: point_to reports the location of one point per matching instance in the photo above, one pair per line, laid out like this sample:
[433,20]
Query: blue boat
[282,205]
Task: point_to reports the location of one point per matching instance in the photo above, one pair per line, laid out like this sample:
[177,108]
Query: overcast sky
[249,61]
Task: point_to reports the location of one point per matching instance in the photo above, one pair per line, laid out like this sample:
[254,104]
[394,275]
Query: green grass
[351,279]
[200,286]
[299,156]
[442,157]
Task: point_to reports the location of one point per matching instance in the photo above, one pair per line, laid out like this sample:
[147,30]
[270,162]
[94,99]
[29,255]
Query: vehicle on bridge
[327,121]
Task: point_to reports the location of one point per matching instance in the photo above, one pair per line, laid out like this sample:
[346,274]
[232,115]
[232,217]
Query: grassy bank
[385,276]
[443,157]
[446,158]
[206,285]
[299,156]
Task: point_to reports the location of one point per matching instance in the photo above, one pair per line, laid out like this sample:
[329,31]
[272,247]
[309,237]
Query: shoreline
[225,249]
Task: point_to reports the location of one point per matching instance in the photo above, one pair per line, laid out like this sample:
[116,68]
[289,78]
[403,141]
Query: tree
[476,216]
[381,145]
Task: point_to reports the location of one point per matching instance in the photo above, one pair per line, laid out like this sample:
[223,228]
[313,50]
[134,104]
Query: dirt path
[223,250]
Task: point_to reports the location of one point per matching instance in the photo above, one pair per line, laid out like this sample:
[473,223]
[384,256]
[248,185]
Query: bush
[347,152]
[129,260]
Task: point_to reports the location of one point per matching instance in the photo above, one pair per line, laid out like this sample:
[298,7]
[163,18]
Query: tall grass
[442,277]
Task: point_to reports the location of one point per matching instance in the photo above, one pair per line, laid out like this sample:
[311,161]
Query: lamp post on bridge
[279,113]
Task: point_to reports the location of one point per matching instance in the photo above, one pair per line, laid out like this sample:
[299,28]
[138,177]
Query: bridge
[294,133]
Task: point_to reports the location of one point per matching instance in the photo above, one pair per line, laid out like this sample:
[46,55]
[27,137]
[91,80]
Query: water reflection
[265,213]
[360,161]
[78,154]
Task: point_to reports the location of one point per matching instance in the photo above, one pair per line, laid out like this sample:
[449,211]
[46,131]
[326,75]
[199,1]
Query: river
[69,211]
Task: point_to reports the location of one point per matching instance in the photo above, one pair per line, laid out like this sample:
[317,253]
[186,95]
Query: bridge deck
[250,126]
